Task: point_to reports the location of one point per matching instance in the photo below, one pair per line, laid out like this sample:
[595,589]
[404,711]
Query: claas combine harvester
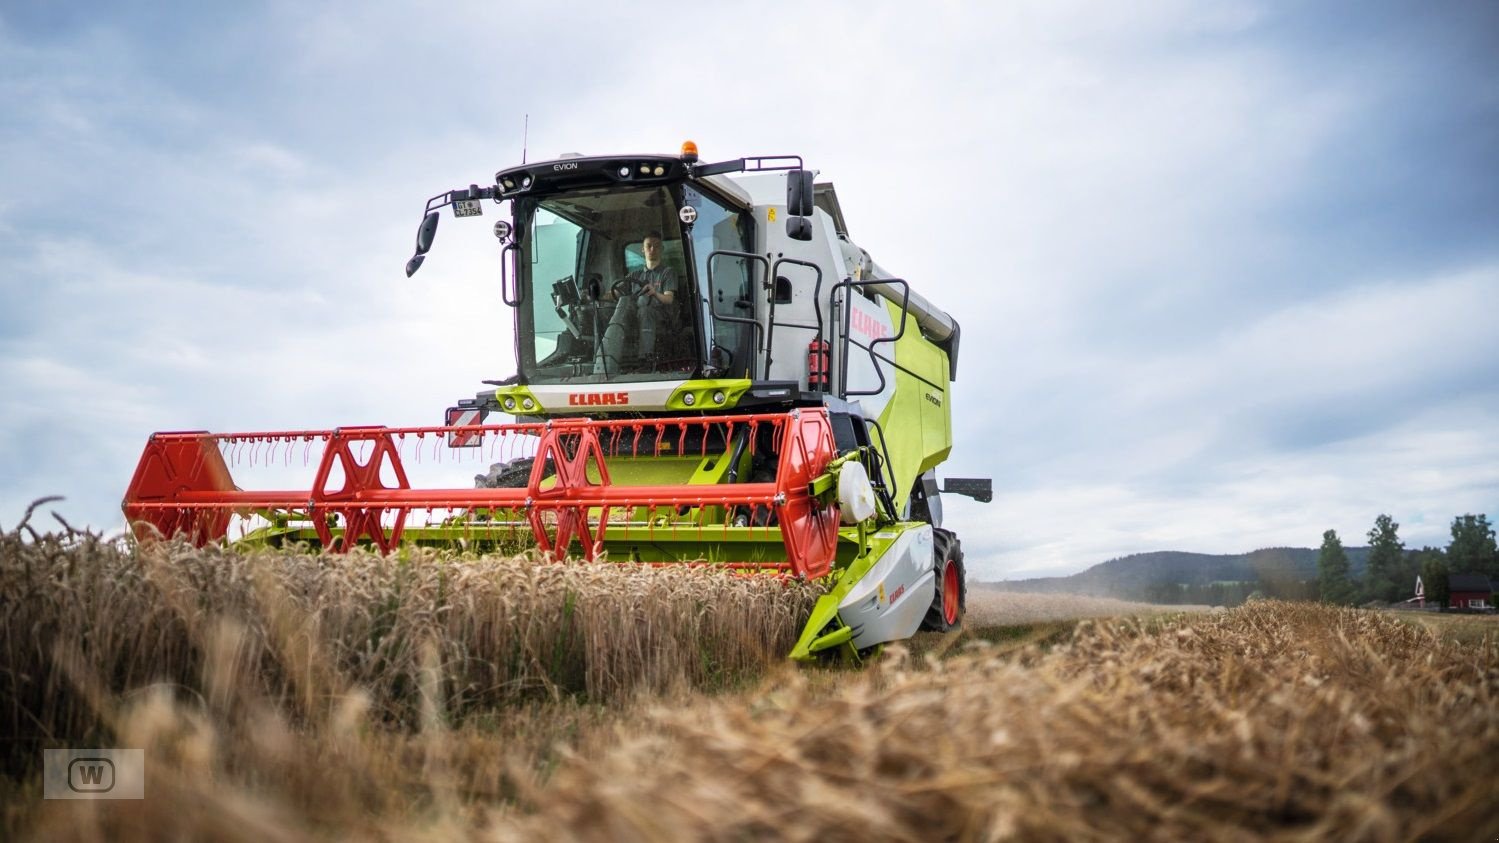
[709,372]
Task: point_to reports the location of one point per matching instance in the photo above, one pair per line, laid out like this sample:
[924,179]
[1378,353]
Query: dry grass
[1469,628]
[85,620]
[1273,721]
[988,606]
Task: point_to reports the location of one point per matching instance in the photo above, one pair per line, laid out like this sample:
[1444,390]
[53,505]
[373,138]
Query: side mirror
[799,228]
[426,232]
[414,264]
[799,193]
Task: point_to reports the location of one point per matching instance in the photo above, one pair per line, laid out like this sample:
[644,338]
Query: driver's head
[652,249]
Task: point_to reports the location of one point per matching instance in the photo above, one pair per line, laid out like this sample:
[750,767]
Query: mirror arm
[428,228]
[734,166]
[473,191]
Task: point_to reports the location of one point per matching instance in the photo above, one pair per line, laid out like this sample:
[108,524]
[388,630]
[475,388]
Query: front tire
[951,598]
[514,474]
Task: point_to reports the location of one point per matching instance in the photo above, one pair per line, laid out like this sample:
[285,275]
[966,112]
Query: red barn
[1470,591]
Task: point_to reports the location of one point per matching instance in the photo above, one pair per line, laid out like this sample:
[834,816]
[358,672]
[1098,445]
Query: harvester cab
[708,371]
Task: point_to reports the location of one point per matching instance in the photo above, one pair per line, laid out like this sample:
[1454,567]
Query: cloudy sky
[1228,273]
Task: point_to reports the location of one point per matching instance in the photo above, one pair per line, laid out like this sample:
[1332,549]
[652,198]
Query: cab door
[727,292]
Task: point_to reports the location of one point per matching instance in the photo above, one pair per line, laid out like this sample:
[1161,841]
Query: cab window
[585,319]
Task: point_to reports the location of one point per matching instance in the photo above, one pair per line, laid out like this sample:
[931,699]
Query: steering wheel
[627,286]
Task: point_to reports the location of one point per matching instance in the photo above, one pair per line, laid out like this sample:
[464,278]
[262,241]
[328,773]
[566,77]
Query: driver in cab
[645,303]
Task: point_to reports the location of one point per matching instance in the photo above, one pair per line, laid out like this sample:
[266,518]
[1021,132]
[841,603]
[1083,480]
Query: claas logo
[594,399]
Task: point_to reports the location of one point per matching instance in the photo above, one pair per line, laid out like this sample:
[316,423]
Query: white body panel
[869,318]
[889,603]
[581,398]
[789,345]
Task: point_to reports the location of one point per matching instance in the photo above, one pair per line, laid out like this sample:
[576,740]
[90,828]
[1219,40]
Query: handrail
[886,465]
[760,329]
[874,358]
[510,279]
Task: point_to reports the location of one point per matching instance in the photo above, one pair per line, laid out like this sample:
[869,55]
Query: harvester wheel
[951,598]
[514,474]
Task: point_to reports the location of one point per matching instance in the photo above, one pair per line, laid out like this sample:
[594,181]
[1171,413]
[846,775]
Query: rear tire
[950,600]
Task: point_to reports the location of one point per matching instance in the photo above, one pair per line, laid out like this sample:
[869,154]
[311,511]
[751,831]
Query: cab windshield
[609,297]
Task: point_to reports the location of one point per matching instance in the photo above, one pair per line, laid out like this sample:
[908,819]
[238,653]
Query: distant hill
[1143,575]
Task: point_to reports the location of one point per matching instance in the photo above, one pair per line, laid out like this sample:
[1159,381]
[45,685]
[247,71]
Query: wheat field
[303,697]
[303,629]
[992,606]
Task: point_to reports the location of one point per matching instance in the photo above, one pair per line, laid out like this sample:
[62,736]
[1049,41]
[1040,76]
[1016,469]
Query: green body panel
[918,420]
[656,471]
[704,389]
[518,395]
[860,549]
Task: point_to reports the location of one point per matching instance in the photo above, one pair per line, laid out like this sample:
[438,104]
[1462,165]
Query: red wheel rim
[950,587]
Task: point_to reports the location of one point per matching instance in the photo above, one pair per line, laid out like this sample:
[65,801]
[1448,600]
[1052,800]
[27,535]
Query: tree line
[1392,570]
[1389,575]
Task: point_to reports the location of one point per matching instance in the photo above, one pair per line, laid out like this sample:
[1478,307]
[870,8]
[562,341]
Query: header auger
[709,372]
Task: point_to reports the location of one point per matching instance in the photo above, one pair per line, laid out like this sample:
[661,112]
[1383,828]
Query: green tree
[1386,553]
[1411,565]
[1434,577]
[1333,582]
[1167,593]
[1472,550]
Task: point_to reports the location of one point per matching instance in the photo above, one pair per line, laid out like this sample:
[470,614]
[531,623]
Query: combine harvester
[709,372]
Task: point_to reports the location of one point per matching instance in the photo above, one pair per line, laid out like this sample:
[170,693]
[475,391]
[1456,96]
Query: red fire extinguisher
[817,364]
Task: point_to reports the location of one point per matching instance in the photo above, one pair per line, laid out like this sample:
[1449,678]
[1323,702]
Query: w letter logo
[91,775]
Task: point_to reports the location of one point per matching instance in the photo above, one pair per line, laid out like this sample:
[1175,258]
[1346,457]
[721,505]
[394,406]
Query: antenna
[524,136]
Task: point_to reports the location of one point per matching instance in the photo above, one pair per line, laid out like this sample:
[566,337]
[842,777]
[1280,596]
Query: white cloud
[1326,412]
[1424,472]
